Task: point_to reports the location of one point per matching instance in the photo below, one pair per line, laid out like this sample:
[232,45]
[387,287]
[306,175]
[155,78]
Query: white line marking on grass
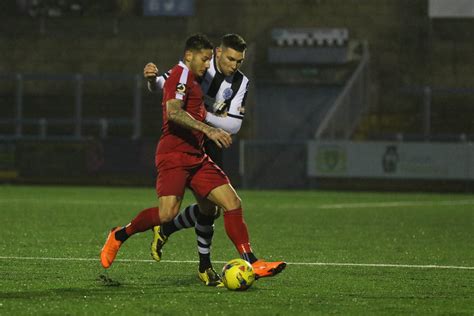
[397,204]
[383,265]
[342,264]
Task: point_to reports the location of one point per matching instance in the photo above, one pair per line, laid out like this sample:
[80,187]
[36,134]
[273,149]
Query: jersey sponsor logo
[181,88]
[227,93]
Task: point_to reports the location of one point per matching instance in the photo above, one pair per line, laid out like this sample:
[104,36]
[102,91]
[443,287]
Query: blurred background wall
[74,107]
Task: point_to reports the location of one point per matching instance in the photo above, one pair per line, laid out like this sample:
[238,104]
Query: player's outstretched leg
[204,232]
[236,229]
[145,220]
[185,219]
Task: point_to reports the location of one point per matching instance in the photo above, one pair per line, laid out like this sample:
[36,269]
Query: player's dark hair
[234,41]
[197,42]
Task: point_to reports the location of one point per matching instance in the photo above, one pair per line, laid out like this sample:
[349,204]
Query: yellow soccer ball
[238,275]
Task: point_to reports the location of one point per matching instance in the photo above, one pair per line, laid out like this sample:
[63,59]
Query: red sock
[237,230]
[145,220]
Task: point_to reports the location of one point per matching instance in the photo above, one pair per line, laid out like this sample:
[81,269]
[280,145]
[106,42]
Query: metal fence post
[104,127]
[137,108]
[19,106]
[427,94]
[43,128]
[242,163]
[78,107]
[42,25]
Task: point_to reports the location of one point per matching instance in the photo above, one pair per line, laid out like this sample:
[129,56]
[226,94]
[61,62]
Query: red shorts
[178,170]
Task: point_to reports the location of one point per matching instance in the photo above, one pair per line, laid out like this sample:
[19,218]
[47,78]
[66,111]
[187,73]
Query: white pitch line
[397,204]
[380,265]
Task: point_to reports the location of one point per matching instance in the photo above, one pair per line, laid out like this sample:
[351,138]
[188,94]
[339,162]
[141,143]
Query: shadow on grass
[105,285]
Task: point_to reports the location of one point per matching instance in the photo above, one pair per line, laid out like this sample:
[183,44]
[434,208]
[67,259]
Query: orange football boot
[263,268]
[110,249]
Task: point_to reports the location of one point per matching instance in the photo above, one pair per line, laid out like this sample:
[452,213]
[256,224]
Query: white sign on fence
[391,160]
[451,8]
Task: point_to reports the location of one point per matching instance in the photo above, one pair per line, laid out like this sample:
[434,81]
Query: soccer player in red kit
[181,162]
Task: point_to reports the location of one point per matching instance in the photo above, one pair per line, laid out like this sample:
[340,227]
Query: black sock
[185,219]
[204,232]
[204,262]
[121,234]
[249,256]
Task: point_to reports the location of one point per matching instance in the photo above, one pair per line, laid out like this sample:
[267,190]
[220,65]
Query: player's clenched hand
[150,72]
[219,136]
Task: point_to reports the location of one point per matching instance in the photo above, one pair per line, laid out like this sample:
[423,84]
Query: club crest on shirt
[227,94]
[181,88]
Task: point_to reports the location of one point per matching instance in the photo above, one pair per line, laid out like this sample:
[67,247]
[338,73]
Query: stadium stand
[408,50]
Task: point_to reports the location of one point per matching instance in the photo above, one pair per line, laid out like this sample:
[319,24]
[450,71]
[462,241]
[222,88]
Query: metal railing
[77,120]
[344,115]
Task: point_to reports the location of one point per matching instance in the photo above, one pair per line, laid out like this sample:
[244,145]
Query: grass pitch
[348,253]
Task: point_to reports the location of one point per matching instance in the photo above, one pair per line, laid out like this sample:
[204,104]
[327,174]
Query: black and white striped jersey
[224,97]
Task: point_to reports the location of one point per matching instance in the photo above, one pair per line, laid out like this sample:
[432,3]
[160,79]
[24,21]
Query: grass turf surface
[71,224]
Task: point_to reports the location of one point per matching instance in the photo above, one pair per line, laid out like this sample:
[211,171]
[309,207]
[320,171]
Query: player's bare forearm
[178,115]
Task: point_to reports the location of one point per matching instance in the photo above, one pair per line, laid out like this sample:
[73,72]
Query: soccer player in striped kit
[225,89]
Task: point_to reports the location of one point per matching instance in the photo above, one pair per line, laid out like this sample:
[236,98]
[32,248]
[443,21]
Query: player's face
[200,61]
[229,60]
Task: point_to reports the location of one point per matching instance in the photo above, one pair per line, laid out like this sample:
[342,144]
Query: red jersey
[182,85]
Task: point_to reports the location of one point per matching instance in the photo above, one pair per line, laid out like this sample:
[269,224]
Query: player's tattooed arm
[175,113]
